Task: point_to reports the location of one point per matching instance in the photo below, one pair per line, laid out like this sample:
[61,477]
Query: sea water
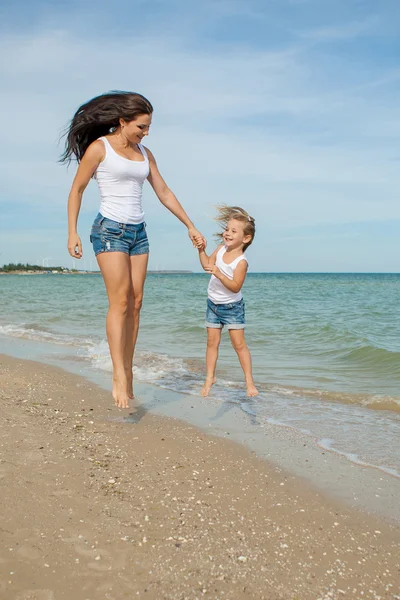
[325,347]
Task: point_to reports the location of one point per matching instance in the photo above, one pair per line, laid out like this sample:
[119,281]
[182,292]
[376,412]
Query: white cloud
[344,31]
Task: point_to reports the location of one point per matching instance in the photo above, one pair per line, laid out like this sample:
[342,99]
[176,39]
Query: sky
[288,108]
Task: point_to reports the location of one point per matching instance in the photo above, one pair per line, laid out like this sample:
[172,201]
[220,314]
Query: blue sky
[289,108]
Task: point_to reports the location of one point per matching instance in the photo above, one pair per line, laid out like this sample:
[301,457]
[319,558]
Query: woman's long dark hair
[97,117]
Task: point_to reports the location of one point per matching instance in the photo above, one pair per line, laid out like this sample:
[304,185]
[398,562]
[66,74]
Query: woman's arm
[89,163]
[239,275]
[170,201]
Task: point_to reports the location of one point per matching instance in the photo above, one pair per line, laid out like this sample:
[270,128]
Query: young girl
[225,305]
[105,137]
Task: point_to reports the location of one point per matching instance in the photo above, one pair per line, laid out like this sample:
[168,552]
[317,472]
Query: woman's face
[134,131]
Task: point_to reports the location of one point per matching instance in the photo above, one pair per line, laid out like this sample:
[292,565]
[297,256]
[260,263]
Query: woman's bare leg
[115,268]
[138,272]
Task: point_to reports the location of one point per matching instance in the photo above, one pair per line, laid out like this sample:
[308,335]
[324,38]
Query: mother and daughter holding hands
[105,137]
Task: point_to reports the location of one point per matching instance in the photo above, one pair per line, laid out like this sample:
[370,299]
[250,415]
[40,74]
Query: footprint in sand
[35,595]
[106,562]
[29,552]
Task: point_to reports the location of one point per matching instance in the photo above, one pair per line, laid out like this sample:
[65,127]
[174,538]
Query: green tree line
[26,267]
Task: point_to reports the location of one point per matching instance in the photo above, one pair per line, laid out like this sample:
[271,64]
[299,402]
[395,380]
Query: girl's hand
[198,240]
[202,246]
[75,245]
[213,270]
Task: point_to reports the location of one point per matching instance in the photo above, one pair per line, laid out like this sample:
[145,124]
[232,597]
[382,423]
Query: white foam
[40,335]
[148,366]
[328,444]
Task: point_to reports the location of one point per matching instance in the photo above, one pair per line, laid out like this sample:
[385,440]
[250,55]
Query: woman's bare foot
[205,390]
[252,390]
[120,394]
[129,386]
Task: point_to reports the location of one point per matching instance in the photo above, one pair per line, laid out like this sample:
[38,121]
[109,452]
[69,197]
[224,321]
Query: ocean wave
[148,366]
[371,401]
[374,357]
[328,444]
[39,333]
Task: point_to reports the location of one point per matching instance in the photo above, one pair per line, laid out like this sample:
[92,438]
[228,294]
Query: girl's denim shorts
[110,236]
[232,315]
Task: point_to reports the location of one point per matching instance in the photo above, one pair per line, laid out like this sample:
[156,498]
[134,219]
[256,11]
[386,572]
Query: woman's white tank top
[120,182]
[217,292]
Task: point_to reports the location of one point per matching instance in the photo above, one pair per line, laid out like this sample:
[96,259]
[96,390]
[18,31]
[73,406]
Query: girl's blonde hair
[225,213]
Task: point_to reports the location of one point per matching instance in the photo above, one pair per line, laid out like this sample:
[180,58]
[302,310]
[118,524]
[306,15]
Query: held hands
[202,246]
[75,245]
[197,239]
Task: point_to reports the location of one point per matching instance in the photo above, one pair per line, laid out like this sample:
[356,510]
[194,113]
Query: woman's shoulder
[148,152]
[96,150]
[98,145]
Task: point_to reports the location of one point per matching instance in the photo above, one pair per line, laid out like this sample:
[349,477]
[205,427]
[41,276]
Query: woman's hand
[75,245]
[197,239]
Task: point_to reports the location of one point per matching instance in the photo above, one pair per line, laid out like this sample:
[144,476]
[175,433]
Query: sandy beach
[95,508]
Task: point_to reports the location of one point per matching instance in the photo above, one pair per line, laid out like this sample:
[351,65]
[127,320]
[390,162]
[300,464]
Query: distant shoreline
[50,272]
[184,272]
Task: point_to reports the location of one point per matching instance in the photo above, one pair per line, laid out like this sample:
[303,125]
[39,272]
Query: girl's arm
[208,261]
[170,201]
[239,275]
[89,163]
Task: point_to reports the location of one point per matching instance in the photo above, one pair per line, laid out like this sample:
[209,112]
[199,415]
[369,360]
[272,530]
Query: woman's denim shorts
[232,315]
[110,236]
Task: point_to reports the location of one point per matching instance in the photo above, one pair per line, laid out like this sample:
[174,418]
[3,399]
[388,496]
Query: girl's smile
[233,235]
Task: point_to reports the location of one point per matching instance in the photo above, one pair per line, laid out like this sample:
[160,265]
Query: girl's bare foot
[252,390]
[120,394]
[205,390]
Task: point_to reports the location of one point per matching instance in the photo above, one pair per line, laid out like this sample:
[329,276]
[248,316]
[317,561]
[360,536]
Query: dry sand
[93,508]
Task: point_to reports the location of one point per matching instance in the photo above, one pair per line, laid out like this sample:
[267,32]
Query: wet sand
[151,507]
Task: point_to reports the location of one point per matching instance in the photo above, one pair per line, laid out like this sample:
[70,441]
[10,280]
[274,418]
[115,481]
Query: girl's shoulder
[219,248]
[214,253]
[241,262]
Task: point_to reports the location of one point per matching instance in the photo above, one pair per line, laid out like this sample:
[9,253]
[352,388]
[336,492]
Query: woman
[105,137]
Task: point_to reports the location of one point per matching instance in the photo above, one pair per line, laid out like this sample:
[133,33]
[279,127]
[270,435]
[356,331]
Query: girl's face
[234,236]
[134,131]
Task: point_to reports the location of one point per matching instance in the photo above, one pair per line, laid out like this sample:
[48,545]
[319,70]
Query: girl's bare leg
[138,272]
[115,268]
[239,344]
[213,340]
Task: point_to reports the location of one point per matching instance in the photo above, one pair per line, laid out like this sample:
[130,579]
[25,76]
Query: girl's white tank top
[120,182]
[217,292]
